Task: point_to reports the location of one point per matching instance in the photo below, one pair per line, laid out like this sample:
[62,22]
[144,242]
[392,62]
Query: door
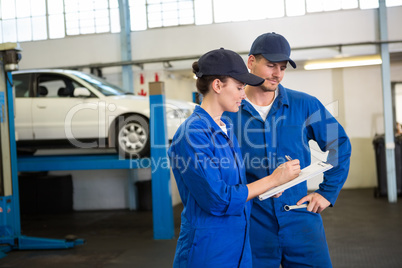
[22,107]
[58,115]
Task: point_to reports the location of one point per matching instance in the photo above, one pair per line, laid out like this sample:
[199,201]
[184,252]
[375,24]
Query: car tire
[132,137]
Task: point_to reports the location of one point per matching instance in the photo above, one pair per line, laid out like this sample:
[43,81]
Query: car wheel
[133,140]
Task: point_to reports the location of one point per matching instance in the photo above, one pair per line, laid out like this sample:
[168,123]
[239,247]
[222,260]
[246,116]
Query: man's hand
[317,203]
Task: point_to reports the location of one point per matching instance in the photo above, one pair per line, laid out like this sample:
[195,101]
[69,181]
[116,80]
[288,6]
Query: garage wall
[355,93]
[311,30]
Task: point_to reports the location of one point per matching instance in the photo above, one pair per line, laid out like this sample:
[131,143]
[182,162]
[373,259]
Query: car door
[22,106]
[58,115]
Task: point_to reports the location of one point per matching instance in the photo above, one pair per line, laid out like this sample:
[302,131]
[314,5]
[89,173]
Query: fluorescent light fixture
[343,62]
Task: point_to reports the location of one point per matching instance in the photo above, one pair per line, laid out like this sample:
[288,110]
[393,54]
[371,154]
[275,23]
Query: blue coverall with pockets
[294,238]
[210,176]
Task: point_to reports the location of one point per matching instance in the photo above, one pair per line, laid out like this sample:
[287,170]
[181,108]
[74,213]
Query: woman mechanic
[210,173]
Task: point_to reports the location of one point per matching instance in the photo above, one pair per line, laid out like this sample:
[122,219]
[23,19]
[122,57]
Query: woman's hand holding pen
[284,173]
[287,171]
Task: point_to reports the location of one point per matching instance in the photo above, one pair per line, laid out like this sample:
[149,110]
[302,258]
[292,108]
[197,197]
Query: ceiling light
[343,62]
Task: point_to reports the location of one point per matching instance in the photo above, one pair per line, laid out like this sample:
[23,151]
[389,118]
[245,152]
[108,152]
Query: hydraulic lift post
[10,225]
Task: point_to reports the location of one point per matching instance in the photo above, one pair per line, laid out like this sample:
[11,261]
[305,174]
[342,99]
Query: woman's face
[232,93]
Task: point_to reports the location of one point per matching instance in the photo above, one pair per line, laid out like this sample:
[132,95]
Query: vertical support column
[13,156]
[11,208]
[162,208]
[5,171]
[125,44]
[387,99]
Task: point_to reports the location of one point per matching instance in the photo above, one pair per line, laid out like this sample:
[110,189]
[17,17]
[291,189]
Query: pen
[288,158]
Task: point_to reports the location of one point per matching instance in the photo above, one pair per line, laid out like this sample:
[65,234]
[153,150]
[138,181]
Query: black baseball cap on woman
[228,63]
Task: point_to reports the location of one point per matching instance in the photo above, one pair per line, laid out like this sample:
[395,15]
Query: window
[21,85]
[274,8]
[368,4]
[162,13]
[23,20]
[114,16]
[295,8]
[86,16]
[102,85]
[391,3]
[203,12]
[247,10]
[56,86]
[56,19]
[138,15]
[30,20]
[323,5]
[52,86]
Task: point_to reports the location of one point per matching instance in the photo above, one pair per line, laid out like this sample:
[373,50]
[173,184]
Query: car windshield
[102,85]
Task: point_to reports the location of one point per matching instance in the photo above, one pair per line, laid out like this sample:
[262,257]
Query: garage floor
[362,231]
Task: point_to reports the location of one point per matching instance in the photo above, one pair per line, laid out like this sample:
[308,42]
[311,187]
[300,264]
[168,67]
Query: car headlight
[178,113]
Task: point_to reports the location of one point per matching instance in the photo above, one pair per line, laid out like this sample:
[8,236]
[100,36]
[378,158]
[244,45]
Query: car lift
[10,225]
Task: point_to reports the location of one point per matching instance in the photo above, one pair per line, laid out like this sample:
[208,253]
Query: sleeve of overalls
[330,136]
[202,176]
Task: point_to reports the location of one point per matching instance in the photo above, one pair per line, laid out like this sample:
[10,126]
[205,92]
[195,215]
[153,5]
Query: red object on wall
[156,77]
[142,93]
[142,80]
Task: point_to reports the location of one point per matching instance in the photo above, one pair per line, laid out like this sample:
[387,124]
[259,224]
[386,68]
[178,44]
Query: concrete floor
[362,231]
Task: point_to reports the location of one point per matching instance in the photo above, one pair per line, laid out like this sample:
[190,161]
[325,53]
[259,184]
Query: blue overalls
[210,176]
[293,238]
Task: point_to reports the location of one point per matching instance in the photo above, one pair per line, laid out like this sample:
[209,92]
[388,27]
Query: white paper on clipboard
[306,173]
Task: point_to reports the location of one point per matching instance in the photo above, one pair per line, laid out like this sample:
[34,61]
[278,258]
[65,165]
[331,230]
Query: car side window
[52,86]
[21,85]
[55,86]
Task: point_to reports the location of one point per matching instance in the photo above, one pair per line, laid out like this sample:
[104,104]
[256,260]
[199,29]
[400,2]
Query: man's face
[272,72]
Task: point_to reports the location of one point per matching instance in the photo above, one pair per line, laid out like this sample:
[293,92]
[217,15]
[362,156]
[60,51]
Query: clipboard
[305,174]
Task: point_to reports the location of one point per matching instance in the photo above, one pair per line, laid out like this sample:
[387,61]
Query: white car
[67,108]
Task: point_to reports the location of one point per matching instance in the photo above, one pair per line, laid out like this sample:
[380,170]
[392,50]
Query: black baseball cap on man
[274,47]
[228,63]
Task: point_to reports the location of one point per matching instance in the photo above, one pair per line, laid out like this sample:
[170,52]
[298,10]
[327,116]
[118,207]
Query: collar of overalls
[213,126]
[281,99]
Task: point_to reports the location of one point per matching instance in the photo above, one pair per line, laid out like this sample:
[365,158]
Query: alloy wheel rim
[133,137]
